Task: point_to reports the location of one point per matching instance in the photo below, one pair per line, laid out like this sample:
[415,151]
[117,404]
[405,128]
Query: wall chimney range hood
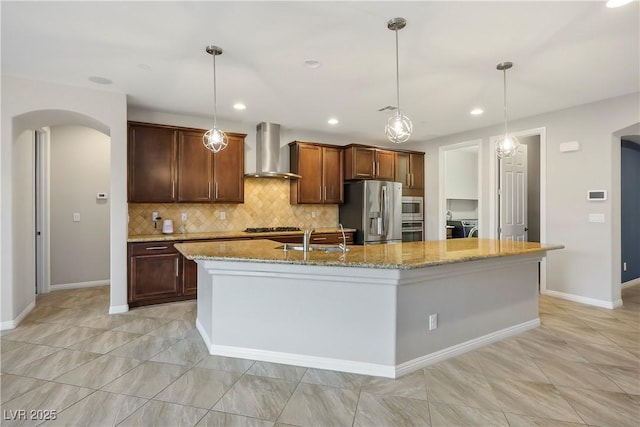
[268,153]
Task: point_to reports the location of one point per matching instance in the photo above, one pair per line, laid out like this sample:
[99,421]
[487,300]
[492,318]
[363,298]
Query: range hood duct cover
[268,153]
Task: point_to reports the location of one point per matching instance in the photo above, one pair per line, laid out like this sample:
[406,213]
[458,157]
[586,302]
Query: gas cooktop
[270,229]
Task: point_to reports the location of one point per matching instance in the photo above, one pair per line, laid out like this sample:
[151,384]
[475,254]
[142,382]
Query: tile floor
[149,367]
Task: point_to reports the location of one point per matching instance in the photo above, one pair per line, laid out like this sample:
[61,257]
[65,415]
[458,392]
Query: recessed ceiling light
[617,3]
[100,80]
[333,121]
[477,111]
[239,106]
[311,63]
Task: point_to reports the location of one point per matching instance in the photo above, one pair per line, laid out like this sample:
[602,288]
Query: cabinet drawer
[151,248]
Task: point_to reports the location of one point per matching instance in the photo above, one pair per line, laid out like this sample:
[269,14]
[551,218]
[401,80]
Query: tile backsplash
[266,204]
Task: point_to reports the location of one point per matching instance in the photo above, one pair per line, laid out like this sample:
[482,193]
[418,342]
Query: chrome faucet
[343,245]
[306,240]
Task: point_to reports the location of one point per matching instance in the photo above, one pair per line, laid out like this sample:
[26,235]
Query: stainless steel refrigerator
[374,209]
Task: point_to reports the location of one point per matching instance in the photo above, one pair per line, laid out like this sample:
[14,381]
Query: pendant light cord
[397,74]
[504,82]
[215,93]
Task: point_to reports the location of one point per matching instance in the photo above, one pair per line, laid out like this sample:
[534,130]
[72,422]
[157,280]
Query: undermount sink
[298,247]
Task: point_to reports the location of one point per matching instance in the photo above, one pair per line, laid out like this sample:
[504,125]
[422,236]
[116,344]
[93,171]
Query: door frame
[42,141]
[494,209]
[442,200]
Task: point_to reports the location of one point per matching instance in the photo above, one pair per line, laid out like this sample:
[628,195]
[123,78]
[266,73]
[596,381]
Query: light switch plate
[76,217]
[596,217]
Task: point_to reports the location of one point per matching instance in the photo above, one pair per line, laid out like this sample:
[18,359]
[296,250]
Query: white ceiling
[564,54]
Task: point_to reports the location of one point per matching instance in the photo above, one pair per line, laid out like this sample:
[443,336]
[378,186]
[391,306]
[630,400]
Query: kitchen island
[367,310]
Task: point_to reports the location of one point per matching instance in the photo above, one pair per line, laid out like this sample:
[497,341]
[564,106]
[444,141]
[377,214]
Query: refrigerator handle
[383,210]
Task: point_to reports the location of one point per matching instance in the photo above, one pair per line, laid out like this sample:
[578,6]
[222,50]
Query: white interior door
[513,196]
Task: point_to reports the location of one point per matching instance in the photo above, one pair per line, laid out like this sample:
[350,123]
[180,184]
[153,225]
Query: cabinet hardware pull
[177,273]
[374,167]
[156,248]
[411,176]
[209,190]
[319,238]
[173,189]
[378,168]
[215,186]
[325,193]
[409,179]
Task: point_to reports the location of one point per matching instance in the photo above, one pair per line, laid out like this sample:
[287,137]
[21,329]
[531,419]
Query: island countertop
[408,255]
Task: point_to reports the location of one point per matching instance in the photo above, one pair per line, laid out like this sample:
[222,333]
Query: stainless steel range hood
[268,153]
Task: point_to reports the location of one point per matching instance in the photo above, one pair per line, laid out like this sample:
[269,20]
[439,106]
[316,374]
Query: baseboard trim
[458,349]
[630,283]
[117,309]
[11,324]
[585,300]
[79,285]
[363,368]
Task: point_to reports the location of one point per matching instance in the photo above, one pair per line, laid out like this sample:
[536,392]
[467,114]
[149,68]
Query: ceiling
[564,54]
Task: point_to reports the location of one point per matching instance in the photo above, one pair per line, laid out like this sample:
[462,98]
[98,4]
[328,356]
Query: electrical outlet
[223,215]
[154,216]
[76,217]
[183,217]
[313,214]
[433,321]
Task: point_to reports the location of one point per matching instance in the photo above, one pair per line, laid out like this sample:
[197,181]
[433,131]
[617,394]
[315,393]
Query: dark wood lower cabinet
[158,273]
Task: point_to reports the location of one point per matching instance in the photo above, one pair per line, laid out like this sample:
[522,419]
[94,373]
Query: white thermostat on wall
[597,195]
[102,196]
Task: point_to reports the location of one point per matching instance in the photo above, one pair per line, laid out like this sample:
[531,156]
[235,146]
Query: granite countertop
[408,255]
[159,237]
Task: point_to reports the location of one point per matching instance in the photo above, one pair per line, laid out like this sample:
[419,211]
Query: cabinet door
[332,175]
[151,164]
[154,277]
[195,167]
[228,172]
[384,165]
[416,168]
[360,163]
[309,166]
[189,277]
[402,170]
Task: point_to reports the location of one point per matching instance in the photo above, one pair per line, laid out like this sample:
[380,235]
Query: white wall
[587,269]
[28,105]
[80,161]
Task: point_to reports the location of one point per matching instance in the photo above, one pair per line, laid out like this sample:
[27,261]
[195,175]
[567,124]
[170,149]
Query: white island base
[363,320]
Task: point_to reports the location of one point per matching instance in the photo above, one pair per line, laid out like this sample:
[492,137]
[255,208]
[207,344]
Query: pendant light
[214,139]
[398,127]
[507,145]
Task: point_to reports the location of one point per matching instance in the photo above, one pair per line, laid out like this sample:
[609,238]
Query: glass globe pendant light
[214,139]
[506,145]
[399,127]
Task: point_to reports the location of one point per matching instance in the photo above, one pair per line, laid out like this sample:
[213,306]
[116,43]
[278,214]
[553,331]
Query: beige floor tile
[222,363]
[177,329]
[146,380]
[277,370]
[102,321]
[545,345]
[257,397]
[143,347]
[7,346]
[100,409]
[517,420]
[222,419]
[412,385]
[534,399]
[23,355]
[69,336]
[155,413]
[47,397]
[467,362]
[628,379]
[105,342]
[576,374]
[460,416]
[606,354]
[140,325]
[460,388]
[603,408]
[624,338]
[378,410]
[12,386]
[313,404]
[55,364]
[509,360]
[184,352]
[333,378]
[199,387]
[99,372]
[32,332]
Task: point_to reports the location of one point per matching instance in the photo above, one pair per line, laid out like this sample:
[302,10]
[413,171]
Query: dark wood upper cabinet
[228,171]
[195,168]
[321,168]
[410,172]
[151,164]
[364,162]
[170,164]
